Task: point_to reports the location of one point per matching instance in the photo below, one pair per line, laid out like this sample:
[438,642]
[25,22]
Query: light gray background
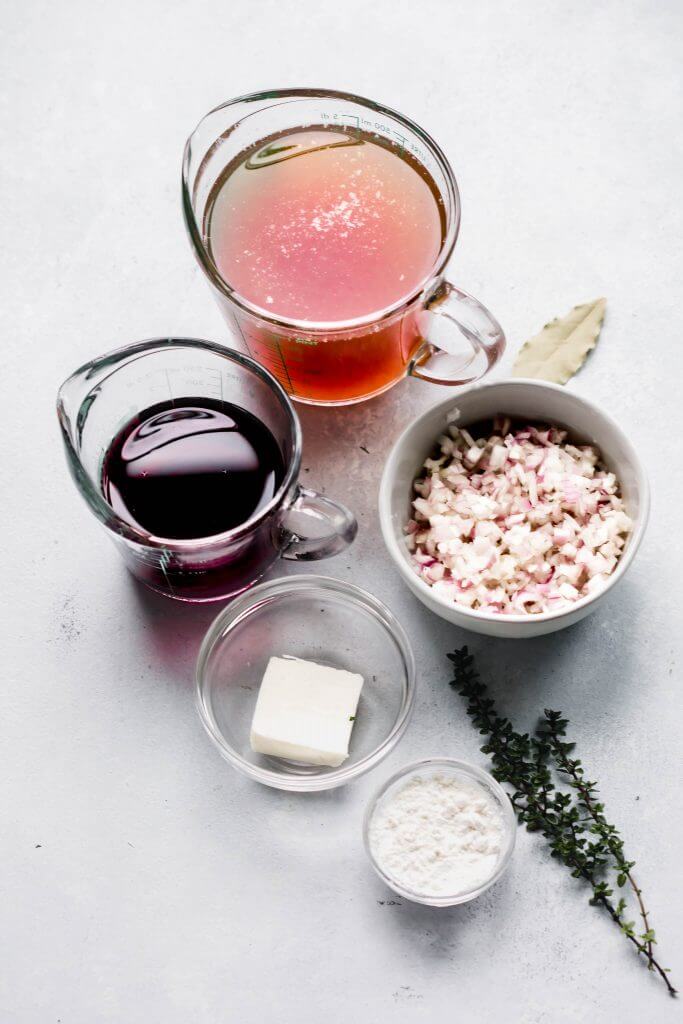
[142,879]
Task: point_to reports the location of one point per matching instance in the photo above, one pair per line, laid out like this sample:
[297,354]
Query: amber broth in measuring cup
[324,223]
[319,225]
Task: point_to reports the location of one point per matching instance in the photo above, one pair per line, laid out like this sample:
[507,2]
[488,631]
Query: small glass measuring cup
[105,394]
[437,332]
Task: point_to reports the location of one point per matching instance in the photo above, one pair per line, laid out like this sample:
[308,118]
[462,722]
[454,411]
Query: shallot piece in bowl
[521,521]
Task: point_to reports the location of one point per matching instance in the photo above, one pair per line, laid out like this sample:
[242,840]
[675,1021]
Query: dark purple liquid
[191,468]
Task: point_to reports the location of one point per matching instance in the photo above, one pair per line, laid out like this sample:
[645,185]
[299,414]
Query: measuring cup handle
[480,329]
[297,544]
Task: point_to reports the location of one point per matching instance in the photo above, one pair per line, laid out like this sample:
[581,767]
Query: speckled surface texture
[144,880]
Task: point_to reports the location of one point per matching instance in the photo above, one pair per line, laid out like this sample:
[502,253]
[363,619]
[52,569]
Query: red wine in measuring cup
[321,225]
[191,468]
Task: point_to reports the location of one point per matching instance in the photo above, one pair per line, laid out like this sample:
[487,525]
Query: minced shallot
[520,522]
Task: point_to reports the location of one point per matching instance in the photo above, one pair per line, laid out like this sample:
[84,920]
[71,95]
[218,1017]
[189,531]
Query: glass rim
[254,600]
[481,776]
[321,326]
[95,499]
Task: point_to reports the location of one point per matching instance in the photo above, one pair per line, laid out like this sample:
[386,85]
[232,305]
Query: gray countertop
[143,879]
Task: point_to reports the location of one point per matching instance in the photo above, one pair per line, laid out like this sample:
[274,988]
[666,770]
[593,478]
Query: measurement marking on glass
[241,333]
[284,365]
[355,118]
[164,562]
[170,389]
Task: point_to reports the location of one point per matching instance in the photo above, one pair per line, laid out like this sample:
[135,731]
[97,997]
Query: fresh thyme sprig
[573,823]
[553,727]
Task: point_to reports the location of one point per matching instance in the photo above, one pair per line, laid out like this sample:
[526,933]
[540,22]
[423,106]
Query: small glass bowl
[457,769]
[319,619]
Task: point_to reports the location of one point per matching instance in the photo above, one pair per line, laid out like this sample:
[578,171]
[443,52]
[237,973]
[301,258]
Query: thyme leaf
[571,820]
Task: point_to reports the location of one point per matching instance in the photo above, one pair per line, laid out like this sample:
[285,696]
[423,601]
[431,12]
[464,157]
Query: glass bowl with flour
[440,831]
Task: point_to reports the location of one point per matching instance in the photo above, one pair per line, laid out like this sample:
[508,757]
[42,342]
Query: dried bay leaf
[560,349]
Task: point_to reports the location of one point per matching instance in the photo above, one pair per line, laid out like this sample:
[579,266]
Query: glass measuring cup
[338,363]
[105,394]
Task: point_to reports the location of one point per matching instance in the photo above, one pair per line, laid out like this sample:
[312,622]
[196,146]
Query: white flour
[438,835]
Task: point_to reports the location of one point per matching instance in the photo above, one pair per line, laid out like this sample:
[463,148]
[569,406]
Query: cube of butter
[305,712]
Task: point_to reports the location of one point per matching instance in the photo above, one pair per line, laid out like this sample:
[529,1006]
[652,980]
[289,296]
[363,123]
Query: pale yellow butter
[305,712]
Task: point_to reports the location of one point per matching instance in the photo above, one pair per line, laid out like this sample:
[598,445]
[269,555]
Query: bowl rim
[249,603]
[421,588]
[474,772]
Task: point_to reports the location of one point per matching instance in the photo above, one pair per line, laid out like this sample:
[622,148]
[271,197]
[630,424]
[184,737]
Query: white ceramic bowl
[524,399]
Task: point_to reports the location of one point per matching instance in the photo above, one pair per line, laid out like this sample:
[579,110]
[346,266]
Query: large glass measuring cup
[107,393]
[437,332]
